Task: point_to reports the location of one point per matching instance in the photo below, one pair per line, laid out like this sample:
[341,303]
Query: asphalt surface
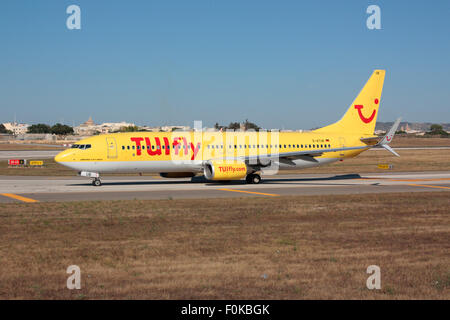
[33,189]
[28,154]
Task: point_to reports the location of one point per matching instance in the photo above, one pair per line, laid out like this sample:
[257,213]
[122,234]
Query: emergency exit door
[111,148]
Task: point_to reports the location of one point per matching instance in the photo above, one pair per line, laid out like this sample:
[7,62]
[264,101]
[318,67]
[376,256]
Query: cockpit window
[81,146]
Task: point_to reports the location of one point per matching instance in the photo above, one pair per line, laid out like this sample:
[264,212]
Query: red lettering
[195,150]
[138,145]
[185,146]
[149,147]
[176,145]
[167,145]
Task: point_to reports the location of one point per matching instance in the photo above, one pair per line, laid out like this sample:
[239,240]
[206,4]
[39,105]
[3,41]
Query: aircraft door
[111,148]
[342,145]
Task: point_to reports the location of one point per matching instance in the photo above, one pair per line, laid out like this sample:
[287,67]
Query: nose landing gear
[94,175]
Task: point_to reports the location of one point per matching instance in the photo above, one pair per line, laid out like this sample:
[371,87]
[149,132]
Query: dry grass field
[409,161]
[259,248]
[427,141]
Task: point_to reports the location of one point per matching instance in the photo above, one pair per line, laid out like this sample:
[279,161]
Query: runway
[35,189]
[28,154]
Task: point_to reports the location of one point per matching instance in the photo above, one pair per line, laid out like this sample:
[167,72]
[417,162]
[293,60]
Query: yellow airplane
[225,156]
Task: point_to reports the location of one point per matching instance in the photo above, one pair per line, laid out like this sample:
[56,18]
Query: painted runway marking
[406,180]
[264,194]
[17,197]
[427,186]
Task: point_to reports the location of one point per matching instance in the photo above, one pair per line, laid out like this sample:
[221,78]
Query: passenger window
[128,147]
[133,147]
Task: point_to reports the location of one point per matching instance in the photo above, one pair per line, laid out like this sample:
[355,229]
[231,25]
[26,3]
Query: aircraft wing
[307,155]
[384,143]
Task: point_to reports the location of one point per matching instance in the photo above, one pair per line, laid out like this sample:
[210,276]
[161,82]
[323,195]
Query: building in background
[16,128]
[89,127]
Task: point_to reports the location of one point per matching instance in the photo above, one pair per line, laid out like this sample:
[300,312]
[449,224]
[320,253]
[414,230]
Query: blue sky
[281,64]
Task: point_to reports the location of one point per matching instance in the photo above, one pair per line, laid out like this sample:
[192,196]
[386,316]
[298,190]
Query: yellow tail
[361,117]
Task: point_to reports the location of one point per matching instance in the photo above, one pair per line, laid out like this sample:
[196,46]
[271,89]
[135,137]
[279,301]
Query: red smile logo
[364,119]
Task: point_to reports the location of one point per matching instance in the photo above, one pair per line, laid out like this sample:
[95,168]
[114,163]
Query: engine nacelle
[223,170]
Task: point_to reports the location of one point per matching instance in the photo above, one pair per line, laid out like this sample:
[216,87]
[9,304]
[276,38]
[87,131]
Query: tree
[61,129]
[39,128]
[250,125]
[234,125]
[129,129]
[436,129]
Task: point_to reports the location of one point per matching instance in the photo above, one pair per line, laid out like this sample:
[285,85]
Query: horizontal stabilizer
[390,150]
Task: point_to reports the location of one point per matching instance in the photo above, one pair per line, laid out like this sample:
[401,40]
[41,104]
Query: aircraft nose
[60,157]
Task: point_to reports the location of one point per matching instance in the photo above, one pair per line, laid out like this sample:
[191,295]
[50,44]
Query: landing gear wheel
[253,178]
[256,179]
[96,182]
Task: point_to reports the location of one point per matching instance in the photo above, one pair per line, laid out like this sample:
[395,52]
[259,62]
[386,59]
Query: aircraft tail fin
[361,116]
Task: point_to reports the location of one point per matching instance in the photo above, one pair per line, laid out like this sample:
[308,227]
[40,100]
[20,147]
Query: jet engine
[223,170]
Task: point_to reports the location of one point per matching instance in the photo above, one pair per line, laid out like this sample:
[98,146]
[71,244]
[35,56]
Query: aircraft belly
[136,166]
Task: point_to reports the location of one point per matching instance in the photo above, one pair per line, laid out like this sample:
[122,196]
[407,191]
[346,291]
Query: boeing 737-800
[233,155]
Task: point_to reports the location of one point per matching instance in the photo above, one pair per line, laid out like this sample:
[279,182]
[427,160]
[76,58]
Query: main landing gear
[96,182]
[253,178]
